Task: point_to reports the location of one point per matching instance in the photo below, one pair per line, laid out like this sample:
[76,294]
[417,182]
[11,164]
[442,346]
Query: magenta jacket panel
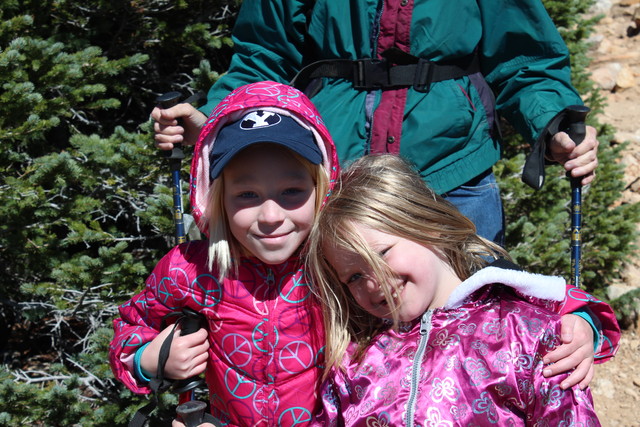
[475,362]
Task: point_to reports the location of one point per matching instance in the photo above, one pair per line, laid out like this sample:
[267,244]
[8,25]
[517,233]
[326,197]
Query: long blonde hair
[223,247]
[384,193]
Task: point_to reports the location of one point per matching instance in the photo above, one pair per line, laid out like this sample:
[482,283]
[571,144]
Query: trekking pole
[190,325]
[175,157]
[576,115]
[190,410]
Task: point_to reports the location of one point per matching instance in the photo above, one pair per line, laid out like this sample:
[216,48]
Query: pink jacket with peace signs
[265,333]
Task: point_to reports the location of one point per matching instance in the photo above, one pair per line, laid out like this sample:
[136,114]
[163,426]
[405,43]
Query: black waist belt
[397,70]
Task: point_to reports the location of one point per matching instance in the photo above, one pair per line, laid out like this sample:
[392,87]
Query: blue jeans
[479,200]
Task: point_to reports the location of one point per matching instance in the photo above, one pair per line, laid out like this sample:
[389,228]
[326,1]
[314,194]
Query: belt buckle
[369,74]
[422,77]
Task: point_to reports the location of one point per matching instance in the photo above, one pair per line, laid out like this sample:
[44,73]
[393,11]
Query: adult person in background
[423,79]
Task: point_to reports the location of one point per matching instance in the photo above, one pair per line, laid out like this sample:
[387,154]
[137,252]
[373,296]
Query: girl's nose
[271,212]
[372,286]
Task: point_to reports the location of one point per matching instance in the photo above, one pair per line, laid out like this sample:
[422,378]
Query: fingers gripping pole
[576,130]
[175,157]
[191,411]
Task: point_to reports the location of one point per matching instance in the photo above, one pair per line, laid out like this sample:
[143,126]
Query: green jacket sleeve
[526,63]
[269,43]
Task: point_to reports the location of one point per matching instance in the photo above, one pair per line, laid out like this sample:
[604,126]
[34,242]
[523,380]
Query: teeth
[398,292]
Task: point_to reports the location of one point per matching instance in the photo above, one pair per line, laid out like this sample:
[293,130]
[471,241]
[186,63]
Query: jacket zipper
[269,410]
[425,327]
[270,277]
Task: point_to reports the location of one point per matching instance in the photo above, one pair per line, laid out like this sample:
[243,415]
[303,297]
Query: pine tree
[86,207]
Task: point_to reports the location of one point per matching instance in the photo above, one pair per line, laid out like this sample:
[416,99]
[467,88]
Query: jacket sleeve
[549,403]
[526,63]
[268,41]
[330,414]
[140,322]
[602,316]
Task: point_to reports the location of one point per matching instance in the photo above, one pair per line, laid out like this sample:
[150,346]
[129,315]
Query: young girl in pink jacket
[260,172]
[421,329]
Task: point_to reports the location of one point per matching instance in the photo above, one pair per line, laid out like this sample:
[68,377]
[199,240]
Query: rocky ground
[616,70]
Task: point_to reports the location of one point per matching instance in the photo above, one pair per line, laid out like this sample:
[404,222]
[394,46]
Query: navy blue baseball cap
[261,126]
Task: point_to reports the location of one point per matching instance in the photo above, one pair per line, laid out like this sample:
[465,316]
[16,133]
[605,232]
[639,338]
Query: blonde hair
[384,193]
[223,247]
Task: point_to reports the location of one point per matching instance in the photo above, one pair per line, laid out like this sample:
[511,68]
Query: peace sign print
[319,359]
[238,384]
[134,341]
[152,283]
[214,321]
[241,289]
[295,416]
[237,349]
[263,88]
[169,292]
[261,299]
[297,356]
[206,290]
[298,291]
[260,336]
[266,400]
[171,284]
[242,411]
[295,322]
[580,295]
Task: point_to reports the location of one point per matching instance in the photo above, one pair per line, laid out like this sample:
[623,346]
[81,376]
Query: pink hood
[269,96]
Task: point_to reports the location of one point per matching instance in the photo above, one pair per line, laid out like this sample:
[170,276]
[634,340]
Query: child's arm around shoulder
[587,323]
[554,403]
[600,313]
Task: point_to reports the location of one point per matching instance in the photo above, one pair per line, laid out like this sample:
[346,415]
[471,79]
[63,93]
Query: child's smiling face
[424,280]
[269,200]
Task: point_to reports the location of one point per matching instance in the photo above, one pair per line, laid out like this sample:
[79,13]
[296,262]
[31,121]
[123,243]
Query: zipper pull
[425,322]
[270,277]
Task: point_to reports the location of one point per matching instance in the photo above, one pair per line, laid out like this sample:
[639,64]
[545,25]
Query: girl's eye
[247,195]
[292,191]
[384,251]
[353,278]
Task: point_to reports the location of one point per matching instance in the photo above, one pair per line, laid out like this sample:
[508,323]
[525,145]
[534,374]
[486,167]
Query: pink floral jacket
[475,362]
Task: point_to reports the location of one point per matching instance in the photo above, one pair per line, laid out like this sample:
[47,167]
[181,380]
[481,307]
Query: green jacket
[447,132]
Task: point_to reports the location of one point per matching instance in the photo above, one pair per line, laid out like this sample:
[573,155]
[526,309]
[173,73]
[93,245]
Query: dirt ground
[616,68]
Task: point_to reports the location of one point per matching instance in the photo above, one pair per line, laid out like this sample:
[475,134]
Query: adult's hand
[578,161]
[169,132]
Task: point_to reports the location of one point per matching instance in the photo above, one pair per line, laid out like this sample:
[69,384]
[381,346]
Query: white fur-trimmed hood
[535,285]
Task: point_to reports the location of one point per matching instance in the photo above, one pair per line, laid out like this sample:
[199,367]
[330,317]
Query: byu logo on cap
[259,119]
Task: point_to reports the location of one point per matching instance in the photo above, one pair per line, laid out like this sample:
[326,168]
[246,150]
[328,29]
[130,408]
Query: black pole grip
[576,116]
[168,100]
[576,129]
[192,412]
[192,322]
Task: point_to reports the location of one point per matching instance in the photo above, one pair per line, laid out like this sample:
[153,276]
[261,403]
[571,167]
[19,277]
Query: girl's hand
[576,352]
[169,132]
[187,356]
